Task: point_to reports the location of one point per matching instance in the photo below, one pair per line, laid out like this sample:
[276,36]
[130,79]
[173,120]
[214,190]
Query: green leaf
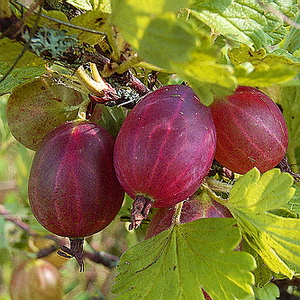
[17,76]
[284,53]
[292,42]
[294,203]
[276,239]
[175,264]
[245,54]
[257,68]
[244,21]
[256,193]
[102,5]
[45,22]
[262,273]
[263,75]
[186,50]
[81,4]
[205,75]
[268,292]
[179,54]
[146,34]
[146,7]
[290,102]
[178,41]
[112,119]
[28,67]
[133,18]
[96,20]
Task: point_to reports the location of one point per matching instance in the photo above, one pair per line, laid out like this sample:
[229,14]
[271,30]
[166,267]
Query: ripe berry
[164,149]
[73,189]
[251,131]
[34,280]
[36,107]
[196,208]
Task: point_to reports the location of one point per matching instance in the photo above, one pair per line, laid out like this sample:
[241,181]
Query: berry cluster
[163,151]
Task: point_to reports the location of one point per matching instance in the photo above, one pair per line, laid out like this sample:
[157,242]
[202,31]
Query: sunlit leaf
[28,67]
[205,75]
[147,7]
[261,193]
[268,292]
[185,50]
[292,42]
[290,102]
[111,119]
[257,68]
[46,22]
[276,239]
[180,261]
[245,54]
[81,4]
[95,20]
[244,21]
[133,18]
[263,75]
[178,41]
[102,5]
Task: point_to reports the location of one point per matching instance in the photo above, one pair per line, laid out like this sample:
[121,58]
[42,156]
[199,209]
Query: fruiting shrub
[251,131]
[164,149]
[73,189]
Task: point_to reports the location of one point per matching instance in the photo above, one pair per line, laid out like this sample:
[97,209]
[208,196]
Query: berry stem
[75,250]
[128,79]
[177,214]
[96,87]
[218,186]
[140,210]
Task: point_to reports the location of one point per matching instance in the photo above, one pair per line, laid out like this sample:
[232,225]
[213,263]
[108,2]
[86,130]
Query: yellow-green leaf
[276,239]
[257,68]
[175,45]
[179,262]
[247,22]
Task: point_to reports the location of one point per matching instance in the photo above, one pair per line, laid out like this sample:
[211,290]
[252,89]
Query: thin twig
[108,260]
[177,214]
[16,220]
[64,23]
